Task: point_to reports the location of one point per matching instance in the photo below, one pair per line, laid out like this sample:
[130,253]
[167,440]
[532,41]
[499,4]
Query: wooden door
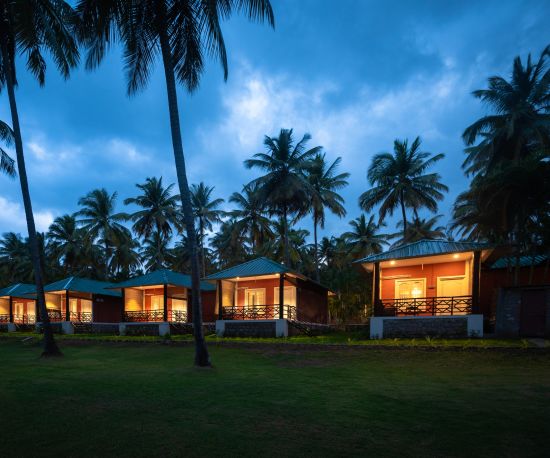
[533,313]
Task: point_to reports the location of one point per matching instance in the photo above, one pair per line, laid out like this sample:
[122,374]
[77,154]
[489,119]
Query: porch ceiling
[450,257]
[259,277]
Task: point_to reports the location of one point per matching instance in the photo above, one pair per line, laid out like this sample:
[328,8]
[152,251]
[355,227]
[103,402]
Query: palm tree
[519,124]
[7,164]
[125,258]
[284,187]
[31,27]
[66,242]
[229,244]
[14,256]
[159,209]
[399,180]
[421,229]
[364,238]
[472,219]
[100,221]
[285,242]
[182,31]
[323,186]
[206,212]
[155,252]
[250,217]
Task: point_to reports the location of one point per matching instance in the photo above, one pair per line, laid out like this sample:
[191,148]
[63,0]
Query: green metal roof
[424,248]
[258,266]
[162,277]
[524,261]
[82,285]
[18,290]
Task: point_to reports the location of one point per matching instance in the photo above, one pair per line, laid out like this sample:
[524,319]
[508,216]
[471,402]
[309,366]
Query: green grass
[336,338]
[148,400]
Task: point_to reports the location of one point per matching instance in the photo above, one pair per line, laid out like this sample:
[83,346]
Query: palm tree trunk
[404,213]
[106,260]
[315,249]
[285,237]
[50,347]
[203,262]
[202,358]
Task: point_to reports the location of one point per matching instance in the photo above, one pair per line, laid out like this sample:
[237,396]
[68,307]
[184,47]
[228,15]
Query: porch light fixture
[392,262]
[456,256]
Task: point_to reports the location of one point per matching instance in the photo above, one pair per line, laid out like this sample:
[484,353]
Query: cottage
[81,300]
[424,284]
[17,304]
[163,296]
[265,291]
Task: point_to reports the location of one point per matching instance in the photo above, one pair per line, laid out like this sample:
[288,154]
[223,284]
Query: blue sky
[354,74]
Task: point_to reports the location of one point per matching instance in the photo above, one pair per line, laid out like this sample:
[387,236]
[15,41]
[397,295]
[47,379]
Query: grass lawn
[148,400]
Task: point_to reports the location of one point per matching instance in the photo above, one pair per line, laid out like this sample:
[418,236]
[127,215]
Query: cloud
[12,217]
[352,123]
[258,103]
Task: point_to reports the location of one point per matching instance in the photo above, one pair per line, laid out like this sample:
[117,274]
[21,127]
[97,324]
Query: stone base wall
[252,328]
[445,327]
[429,326]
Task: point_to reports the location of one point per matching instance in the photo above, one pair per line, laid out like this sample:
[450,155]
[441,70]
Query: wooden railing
[258,312]
[56,315]
[177,316]
[81,317]
[24,319]
[452,305]
[142,316]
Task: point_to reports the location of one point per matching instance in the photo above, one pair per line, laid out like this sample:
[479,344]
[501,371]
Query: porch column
[123,307]
[219,289]
[476,274]
[281,295]
[67,309]
[11,309]
[165,308]
[375,287]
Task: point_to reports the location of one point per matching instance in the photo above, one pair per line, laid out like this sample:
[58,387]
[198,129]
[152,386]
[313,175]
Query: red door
[533,313]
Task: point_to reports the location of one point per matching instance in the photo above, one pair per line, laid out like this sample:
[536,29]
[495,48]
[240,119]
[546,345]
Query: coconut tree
[159,209]
[66,242]
[125,257]
[14,256]
[364,238]
[250,217]
[519,122]
[285,242]
[29,28]
[399,181]
[324,184]
[207,212]
[7,164]
[100,222]
[284,187]
[181,32]
[229,243]
[155,252]
[420,229]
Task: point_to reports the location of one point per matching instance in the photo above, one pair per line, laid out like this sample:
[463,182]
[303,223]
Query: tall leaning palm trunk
[50,347]
[202,357]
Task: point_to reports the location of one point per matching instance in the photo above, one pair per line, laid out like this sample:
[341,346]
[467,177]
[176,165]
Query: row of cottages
[257,291]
